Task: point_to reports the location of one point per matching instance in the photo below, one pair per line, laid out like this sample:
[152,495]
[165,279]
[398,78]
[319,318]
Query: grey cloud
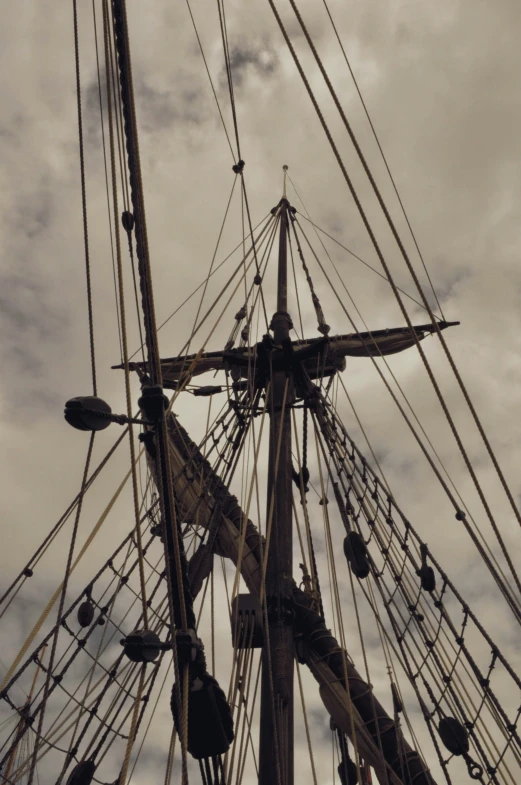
[442,88]
[258,57]
[160,110]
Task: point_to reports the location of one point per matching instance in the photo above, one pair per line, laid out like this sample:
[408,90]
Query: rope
[241,673]
[37,627]
[106,174]
[395,290]
[224,36]
[410,530]
[23,719]
[117,710]
[269,219]
[209,77]
[246,725]
[42,549]
[249,720]
[136,296]
[257,267]
[336,601]
[205,317]
[186,347]
[377,140]
[502,585]
[245,517]
[406,599]
[84,212]
[100,650]
[123,317]
[163,475]
[109,671]
[318,228]
[295,283]
[119,122]
[308,737]
[170,759]
[68,570]
[226,51]
[322,326]
[411,270]
[172,738]
[131,736]
[303,463]
[384,359]
[443,663]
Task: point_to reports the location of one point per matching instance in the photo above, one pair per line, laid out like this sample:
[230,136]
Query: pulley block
[88,413]
[210,722]
[348,772]
[454,736]
[85,613]
[127,219]
[356,554]
[82,773]
[427,578]
[143,646]
[247,624]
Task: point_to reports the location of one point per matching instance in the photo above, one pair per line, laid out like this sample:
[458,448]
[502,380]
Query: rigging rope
[459,697]
[377,140]
[209,77]
[128,397]
[37,627]
[41,550]
[348,250]
[68,569]
[511,598]
[178,590]
[110,672]
[106,173]
[416,281]
[268,217]
[195,325]
[227,63]
[84,210]
[132,733]
[393,285]
[400,389]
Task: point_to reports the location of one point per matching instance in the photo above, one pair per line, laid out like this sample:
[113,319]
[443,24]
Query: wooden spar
[325,654]
[276,724]
[312,352]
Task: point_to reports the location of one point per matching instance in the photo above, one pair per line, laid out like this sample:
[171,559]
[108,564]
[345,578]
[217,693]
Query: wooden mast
[276,727]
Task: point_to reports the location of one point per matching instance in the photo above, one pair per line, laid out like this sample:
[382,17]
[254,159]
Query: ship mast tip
[284,169]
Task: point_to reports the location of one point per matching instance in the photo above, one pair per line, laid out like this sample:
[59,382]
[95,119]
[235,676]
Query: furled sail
[325,354]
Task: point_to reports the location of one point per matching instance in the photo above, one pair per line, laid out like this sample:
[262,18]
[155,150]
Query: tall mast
[276,729]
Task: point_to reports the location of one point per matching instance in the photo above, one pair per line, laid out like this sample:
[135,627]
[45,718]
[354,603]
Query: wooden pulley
[85,613]
[356,554]
[82,773]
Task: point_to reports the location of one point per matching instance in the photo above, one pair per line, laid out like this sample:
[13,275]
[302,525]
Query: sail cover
[366,344]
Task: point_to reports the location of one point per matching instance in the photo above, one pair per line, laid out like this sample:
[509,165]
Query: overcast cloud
[441,81]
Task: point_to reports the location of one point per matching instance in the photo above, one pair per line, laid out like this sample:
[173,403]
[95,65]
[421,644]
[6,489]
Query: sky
[440,82]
